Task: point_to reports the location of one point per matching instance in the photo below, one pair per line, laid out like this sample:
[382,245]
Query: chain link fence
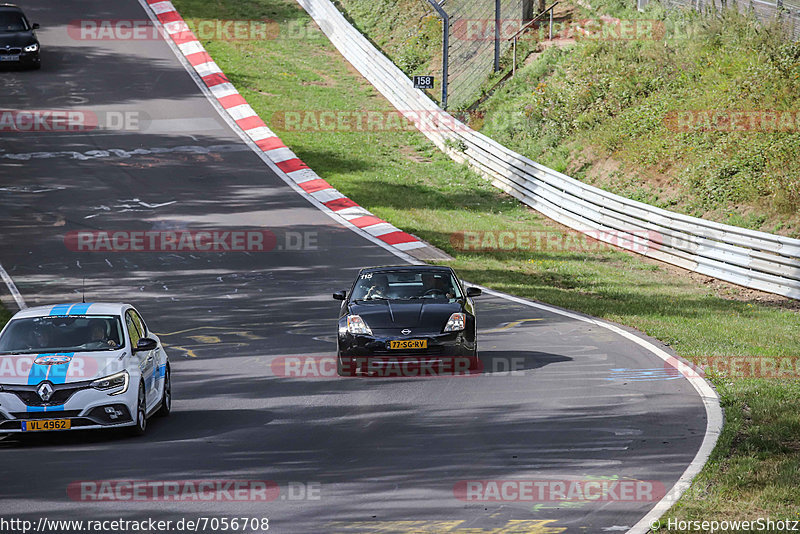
[786,12]
[478,34]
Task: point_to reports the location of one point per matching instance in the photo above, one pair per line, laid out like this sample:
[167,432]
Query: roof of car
[74,308]
[387,268]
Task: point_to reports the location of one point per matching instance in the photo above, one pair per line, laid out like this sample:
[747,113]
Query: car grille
[10,51]
[61,393]
[46,415]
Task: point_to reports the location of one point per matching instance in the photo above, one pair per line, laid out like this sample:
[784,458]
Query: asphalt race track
[348,455]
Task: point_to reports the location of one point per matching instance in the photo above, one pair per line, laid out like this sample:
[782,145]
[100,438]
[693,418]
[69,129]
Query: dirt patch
[411,154]
[327,81]
[261,92]
[600,170]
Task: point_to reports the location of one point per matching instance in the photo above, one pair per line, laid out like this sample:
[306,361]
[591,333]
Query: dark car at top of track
[413,320]
[18,43]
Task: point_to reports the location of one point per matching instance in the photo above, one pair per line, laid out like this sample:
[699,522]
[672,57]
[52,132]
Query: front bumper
[87,408]
[448,353]
[23,59]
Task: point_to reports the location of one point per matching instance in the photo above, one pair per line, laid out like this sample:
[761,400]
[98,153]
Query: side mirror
[145,344]
[35,26]
[340,295]
[473,292]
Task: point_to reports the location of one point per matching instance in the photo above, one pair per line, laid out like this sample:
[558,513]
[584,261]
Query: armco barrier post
[496,35]
[445,47]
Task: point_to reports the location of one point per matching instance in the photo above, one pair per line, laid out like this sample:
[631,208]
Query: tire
[166,397]
[476,366]
[340,369]
[140,426]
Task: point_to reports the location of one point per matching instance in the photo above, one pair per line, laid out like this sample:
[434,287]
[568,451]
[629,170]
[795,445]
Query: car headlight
[356,325]
[117,380]
[32,48]
[456,322]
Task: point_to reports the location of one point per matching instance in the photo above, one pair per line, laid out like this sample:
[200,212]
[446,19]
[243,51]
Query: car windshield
[12,22]
[74,333]
[406,285]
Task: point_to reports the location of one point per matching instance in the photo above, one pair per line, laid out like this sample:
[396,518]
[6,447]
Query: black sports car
[415,320]
[18,43]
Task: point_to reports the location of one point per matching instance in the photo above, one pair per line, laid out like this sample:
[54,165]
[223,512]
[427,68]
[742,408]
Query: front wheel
[166,398]
[141,414]
[342,369]
[476,366]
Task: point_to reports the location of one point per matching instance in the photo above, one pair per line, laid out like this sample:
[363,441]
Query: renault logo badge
[45,391]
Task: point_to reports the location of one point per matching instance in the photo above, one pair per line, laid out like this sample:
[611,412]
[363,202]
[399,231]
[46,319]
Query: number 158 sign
[423,82]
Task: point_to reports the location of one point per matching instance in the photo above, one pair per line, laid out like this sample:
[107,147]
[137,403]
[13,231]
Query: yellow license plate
[409,344]
[46,424]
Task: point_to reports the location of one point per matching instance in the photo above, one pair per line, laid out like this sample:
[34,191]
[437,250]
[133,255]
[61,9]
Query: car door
[145,358]
[157,356]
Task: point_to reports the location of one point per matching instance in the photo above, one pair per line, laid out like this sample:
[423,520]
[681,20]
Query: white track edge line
[12,288]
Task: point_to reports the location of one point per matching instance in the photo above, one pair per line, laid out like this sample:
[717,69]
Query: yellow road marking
[190,349]
[512,324]
[206,339]
[227,328]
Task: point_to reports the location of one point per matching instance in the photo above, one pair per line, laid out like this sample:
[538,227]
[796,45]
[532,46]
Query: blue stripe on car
[58,373]
[37,373]
[79,309]
[61,309]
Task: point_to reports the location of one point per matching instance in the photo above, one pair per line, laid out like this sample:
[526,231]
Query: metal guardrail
[745,257]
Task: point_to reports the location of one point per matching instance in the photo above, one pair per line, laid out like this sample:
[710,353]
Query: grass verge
[401,177]
[5,315]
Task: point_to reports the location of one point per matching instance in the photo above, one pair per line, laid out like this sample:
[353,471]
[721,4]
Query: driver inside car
[98,335]
[379,288]
[433,286]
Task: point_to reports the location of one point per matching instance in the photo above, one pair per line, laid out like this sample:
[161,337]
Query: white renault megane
[81,366]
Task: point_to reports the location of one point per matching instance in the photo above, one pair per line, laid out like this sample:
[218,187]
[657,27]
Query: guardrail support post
[445,47]
[497,15]
[514,64]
